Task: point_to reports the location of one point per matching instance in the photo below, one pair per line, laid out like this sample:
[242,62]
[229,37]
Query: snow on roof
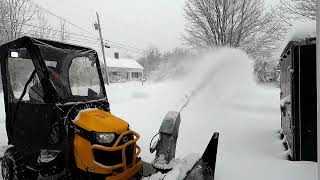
[123,63]
[301,31]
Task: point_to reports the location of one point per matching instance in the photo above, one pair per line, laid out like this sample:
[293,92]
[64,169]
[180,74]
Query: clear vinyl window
[21,70]
[84,78]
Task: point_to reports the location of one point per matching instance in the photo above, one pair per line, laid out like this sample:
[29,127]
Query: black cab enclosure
[42,81]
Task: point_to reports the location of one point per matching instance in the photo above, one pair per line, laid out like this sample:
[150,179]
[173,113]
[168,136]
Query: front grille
[107,158]
[111,158]
[129,154]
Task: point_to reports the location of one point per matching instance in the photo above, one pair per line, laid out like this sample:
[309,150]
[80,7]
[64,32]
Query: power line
[126,49]
[24,31]
[59,17]
[75,40]
[85,38]
[66,20]
[35,31]
[55,30]
[125,45]
[95,42]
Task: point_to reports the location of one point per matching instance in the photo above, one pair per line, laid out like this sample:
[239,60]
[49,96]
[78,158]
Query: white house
[122,70]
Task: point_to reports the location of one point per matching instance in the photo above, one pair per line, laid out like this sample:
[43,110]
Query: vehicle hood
[100,121]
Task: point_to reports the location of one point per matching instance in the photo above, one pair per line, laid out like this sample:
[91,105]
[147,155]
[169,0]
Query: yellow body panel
[101,121]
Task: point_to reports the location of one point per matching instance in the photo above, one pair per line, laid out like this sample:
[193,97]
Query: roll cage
[41,51]
[46,108]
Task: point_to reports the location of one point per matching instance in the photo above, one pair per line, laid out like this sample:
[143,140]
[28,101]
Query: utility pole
[97,26]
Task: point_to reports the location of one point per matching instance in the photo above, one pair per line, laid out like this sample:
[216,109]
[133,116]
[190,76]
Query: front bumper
[117,162]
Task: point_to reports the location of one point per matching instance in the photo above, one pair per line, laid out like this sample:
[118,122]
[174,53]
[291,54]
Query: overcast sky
[138,23]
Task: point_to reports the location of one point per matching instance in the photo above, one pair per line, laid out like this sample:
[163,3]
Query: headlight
[105,138]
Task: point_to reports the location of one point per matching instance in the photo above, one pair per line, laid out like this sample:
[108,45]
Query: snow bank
[181,167]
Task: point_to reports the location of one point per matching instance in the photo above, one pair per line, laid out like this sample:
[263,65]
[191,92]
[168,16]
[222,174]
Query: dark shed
[299,99]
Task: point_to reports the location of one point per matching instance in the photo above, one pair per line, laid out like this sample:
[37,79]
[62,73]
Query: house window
[136,75]
[118,76]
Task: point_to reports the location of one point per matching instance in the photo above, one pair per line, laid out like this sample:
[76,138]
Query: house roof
[123,63]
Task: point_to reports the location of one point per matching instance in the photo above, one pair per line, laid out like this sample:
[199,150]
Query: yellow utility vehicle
[58,119]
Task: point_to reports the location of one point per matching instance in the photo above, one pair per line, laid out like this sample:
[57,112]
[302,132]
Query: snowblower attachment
[165,148]
[205,167]
[166,144]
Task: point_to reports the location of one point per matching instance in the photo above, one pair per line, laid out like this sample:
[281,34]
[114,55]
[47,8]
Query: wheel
[13,167]
[7,170]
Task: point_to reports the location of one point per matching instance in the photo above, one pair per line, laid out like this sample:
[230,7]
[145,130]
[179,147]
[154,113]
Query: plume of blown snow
[228,71]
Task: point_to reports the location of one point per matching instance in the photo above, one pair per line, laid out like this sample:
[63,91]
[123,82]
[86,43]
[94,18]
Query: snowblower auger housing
[58,119]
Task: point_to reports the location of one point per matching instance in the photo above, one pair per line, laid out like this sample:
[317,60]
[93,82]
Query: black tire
[13,167]
[7,169]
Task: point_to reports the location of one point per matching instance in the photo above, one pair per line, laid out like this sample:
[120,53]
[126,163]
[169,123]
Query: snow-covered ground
[223,97]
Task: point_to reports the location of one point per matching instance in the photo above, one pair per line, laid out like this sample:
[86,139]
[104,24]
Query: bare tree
[292,9]
[234,23]
[14,14]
